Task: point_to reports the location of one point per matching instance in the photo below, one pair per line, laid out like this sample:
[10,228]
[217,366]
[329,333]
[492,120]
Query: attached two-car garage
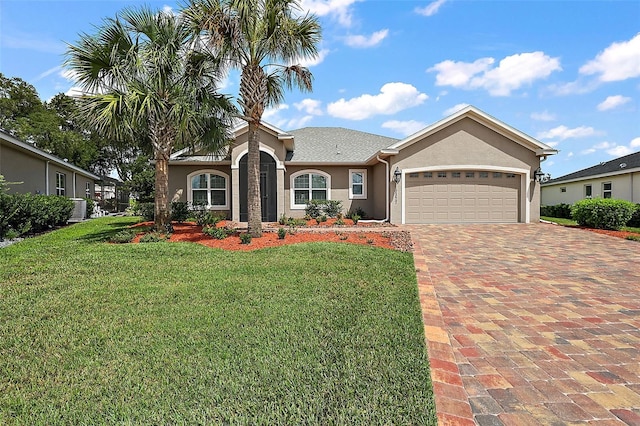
[466,196]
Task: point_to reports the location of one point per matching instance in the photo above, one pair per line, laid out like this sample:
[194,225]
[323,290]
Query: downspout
[74,185]
[46,178]
[386,219]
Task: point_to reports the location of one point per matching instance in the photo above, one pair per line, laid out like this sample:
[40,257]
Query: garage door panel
[462,200]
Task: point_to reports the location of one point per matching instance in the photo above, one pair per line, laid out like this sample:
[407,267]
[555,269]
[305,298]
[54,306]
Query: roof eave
[595,176]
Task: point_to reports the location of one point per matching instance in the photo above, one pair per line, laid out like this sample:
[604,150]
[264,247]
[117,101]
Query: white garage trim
[525,202]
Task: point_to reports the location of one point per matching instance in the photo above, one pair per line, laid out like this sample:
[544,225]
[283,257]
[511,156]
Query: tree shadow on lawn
[108,230]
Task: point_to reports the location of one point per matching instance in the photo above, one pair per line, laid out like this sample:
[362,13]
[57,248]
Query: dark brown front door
[268,188]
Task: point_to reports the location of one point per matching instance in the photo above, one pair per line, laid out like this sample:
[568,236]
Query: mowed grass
[177,333]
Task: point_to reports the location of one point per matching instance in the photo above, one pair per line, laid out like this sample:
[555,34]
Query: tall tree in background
[263,39]
[148,79]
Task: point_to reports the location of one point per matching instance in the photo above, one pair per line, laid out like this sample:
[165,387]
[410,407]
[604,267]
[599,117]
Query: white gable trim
[263,148]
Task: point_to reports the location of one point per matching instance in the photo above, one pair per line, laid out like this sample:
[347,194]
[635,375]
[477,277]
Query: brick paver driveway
[530,324]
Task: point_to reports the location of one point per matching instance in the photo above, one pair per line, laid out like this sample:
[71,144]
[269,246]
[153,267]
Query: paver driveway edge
[530,324]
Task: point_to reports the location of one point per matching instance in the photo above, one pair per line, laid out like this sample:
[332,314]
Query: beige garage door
[462,197]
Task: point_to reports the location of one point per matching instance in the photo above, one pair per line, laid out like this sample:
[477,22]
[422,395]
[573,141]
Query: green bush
[282,233]
[355,218]
[635,218]
[146,210]
[602,213]
[314,208]
[122,237]
[179,211]
[358,211]
[205,217]
[91,205]
[217,233]
[152,237]
[245,238]
[559,210]
[333,208]
[33,213]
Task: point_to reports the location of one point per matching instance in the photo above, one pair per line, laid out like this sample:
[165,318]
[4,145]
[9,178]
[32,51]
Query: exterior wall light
[540,176]
[397,175]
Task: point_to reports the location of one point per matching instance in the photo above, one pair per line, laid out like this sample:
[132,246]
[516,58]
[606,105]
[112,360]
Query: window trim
[292,189]
[607,191]
[362,196]
[209,172]
[61,184]
[590,186]
[87,190]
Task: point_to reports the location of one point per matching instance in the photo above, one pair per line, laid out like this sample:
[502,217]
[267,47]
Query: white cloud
[338,9]
[552,144]
[47,73]
[297,123]
[361,41]
[322,54]
[454,109]
[543,116]
[563,132]
[635,143]
[271,114]
[430,9]
[577,87]
[620,151]
[570,154]
[617,62]
[393,97]
[588,151]
[405,128]
[310,106]
[612,102]
[510,74]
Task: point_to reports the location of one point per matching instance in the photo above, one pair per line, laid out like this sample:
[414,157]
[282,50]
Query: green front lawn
[571,222]
[177,333]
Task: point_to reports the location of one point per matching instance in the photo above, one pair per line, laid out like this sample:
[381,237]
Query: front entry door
[268,188]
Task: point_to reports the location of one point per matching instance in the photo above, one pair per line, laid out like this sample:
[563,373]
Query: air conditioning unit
[79,210]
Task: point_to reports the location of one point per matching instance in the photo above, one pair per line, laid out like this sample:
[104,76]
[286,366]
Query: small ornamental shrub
[355,218]
[122,237]
[152,237]
[635,218]
[559,210]
[282,233]
[146,210]
[633,237]
[333,208]
[602,213]
[245,238]
[283,219]
[207,217]
[314,208]
[358,211]
[339,222]
[91,205]
[217,233]
[179,211]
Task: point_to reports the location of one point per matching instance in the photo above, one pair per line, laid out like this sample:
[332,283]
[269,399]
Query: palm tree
[264,40]
[147,79]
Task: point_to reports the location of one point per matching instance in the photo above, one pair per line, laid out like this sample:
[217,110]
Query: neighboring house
[618,178]
[40,172]
[466,168]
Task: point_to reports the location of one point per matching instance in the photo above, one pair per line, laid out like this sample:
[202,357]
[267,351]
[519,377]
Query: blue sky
[564,72]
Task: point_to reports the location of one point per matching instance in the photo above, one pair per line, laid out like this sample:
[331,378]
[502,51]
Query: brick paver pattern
[530,324]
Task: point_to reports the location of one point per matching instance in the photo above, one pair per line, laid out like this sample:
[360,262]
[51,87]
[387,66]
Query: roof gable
[486,120]
[621,165]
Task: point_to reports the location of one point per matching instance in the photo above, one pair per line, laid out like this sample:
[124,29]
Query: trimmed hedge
[558,210]
[317,208]
[29,213]
[635,218]
[603,213]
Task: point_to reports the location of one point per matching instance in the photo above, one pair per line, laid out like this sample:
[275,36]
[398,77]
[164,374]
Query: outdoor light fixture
[539,175]
[397,175]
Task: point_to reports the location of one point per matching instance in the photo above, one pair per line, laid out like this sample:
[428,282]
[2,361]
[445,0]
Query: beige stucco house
[466,168]
[618,178]
[40,172]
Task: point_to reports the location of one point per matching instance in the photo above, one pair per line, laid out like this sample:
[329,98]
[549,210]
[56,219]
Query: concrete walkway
[530,324]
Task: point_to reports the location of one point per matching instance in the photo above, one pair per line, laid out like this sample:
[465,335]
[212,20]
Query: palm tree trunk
[254,205]
[162,192]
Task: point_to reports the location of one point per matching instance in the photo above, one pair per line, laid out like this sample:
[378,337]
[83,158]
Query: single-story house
[466,168]
[40,172]
[618,178]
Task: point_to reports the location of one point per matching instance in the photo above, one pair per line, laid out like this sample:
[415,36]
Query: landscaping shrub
[282,233]
[358,211]
[355,218]
[146,210]
[91,205]
[635,218]
[206,217]
[316,208]
[33,213]
[245,238]
[152,237]
[559,210]
[217,233]
[122,237]
[602,213]
[179,211]
[333,208]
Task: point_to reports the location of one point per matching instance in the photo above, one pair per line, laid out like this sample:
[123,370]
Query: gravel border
[7,243]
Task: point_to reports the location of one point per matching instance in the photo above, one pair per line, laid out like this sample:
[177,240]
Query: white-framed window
[61,183]
[588,191]
[455,174]
[497,175]
[309,185]
[209,188]
[427,175]
[470,175]
[563,189]
[442,174]
[357,184]
[87,190]
[607,190]
[483,175]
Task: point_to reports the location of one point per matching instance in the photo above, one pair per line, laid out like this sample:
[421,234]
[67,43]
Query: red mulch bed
[619,234]
[193,233]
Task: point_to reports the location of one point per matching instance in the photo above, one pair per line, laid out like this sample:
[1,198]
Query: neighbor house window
[309,185]
[606,190]
[208,188]
[455,174]
[442,174]
[563,189]
[87,190]
[483,174]
[497,175]
[588,191]
[427,175]
[61,183]
[470,174]
[510,175]
[358,184]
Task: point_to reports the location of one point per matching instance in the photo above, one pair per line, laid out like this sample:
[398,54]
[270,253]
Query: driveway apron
[530,324]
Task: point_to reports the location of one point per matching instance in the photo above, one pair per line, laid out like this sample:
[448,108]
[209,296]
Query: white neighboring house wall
[624,186]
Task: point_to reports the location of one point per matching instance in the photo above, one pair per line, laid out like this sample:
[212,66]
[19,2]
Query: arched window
[309,185]
[208,188]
